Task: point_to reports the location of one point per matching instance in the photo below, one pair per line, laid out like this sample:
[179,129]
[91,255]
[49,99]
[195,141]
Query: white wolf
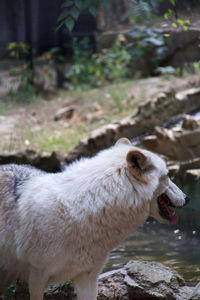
[56,227]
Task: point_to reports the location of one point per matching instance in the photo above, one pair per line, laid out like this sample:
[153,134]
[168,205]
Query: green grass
[51,139]
[5,106]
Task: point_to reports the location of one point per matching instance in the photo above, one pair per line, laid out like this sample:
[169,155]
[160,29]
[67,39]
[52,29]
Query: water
[171,245]
[177,124]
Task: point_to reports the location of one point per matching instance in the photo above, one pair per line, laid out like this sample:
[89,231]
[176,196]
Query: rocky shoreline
[137,280]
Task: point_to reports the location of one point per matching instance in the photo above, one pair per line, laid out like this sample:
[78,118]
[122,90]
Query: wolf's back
[12,179]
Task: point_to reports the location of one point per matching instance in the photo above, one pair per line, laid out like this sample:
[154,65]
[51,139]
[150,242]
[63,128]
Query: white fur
[66,224]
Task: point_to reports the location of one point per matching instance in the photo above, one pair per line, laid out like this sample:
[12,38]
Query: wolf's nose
[187,199]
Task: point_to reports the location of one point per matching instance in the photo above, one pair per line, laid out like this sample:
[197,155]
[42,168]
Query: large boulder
[177,144]
[141,280]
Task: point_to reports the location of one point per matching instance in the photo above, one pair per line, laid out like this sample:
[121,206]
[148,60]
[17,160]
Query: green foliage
[51,54]
[10,291]
[146,40]
[114,62]
[82,71]
[72,9]
[24,75]
[178,23]
[142,11]
[94,70]
[173,2]
[196,66]
[26,91]
[17,50]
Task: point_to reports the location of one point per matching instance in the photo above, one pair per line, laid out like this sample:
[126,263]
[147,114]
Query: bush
[92,70]
[147,44]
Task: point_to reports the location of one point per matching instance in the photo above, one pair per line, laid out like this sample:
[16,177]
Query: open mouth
[164,205]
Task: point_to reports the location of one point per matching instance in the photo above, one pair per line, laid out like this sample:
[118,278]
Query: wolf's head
[149,170]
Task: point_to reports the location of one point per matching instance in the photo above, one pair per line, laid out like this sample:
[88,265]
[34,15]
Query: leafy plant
[142,11]
[26,91]
[93,70]
[146,40]
[24,75]
[196,66]
[10,291]
[17,50]
[71,10]
[82,71]
[114,62]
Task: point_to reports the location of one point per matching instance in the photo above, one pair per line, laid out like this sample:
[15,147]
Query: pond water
[171,245]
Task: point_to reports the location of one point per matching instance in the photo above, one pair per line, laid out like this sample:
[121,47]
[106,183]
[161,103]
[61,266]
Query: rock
[152,280]
[64,113]
[49,162]
[97,115]
[138,280]
[194,174]
[171,142]
[190,142]
[60,292]
[141,280]
[158,105]
[189,165]
[196,293]
[192,95]
[183,46]
[106,39]
[190,123]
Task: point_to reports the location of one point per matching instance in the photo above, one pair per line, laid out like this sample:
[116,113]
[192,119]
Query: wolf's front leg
[86,286]
[37,283]
[5,280]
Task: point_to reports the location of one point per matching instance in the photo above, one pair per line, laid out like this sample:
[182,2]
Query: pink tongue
[173,215]
[174,219]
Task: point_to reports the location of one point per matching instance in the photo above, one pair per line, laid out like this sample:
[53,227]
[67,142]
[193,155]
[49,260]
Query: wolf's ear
[136,160]
[123,141]
[137,163]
